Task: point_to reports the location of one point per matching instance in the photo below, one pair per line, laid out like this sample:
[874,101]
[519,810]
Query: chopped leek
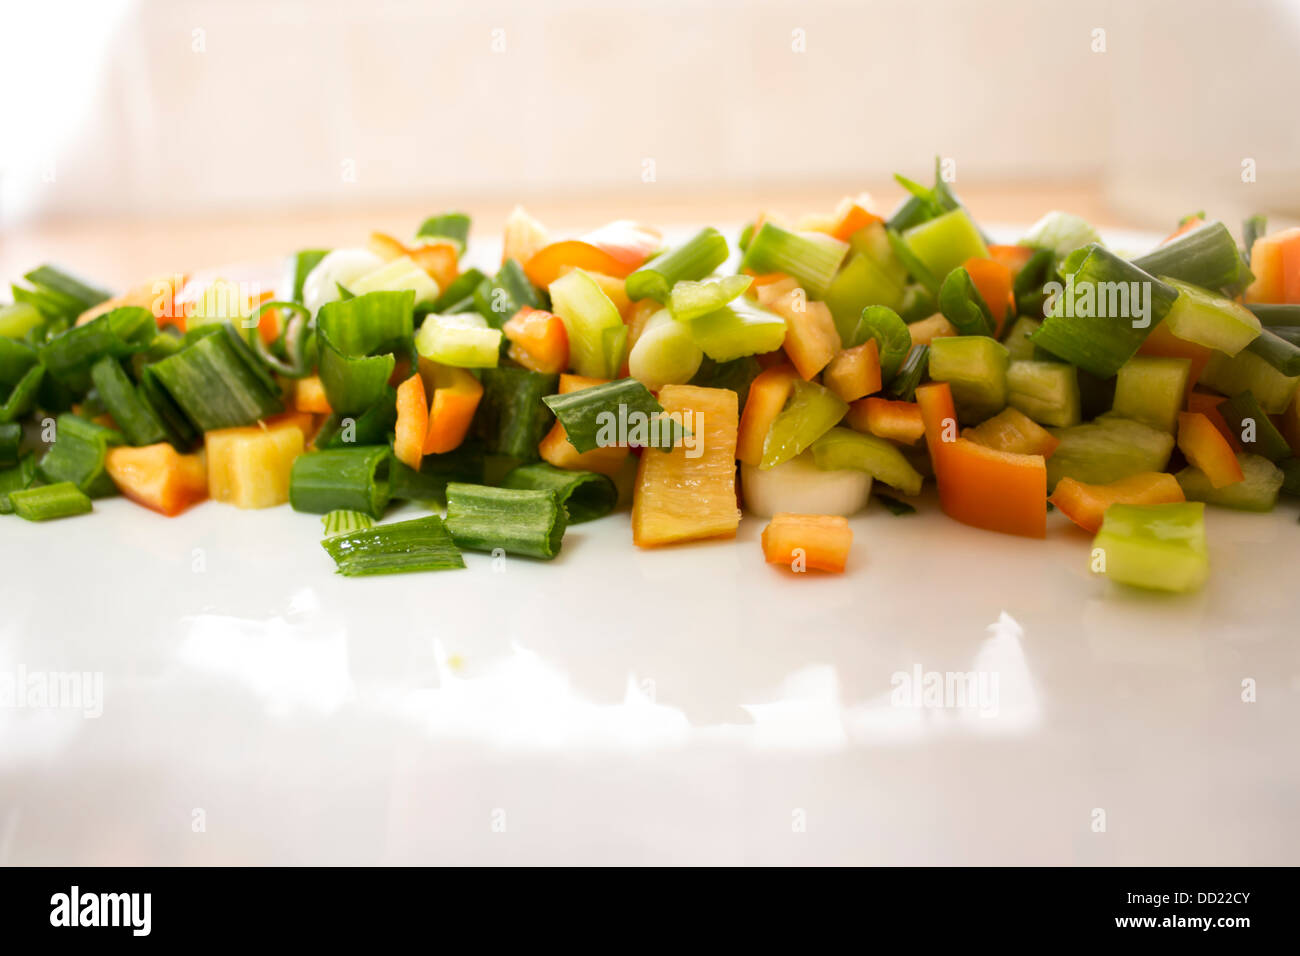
[132,413]
[893,341]
[355,340]
[18,319]
[1282,354]
[459,296]
[736,374]
[1059,233]
[421,544]
[350,479]
[78,454]
[1210,320]
[500,297]
[345,522]
[22,396]
[217,381]
[695,259]
[616,413]
[69,355]
[63,499]
[512,419]
[585,495]
[896,507]
[400,274]
[1207,257]
[529,523]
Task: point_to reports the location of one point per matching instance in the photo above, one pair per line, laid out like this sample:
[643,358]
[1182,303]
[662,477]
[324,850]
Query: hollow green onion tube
[500,297]
[372,427]
[1273,316]
[893,341]
[217,380]
[1281,353]
[459,296]
[1207,256]
[22,396]
[53,279]
[78,454]
[345,522]
[421,544]
[132,414]
[17,478]
[585,495]
[810,258]
[303,263]
[11,437]
[705,251]
[962,305]
[70,354]
[910,373]
[512,419]
[179,429]
[62,499]
[346,479]
[528,523]
[293,342]
[1252,229]
[355,341]
[616,413]
[1252,426]
[1105,310]
[464,464]
[448,225]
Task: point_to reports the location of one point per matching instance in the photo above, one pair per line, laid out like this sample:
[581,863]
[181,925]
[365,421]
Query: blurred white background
[193,108]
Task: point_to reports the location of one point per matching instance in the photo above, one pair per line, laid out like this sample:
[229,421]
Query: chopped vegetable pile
[820,360]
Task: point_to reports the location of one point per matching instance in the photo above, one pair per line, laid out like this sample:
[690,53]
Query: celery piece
[873,242]
[592,322]
[463,340]
[812,258]
[1104,312]
[917,269]
[1017,338]
[845,449]
[1210,320]
[402,273]
[666,353]
[945,242]
[1253,427]
[1247,372]
[1151,389]
[1048,392]
[695,259]
[811,412]
[738,329]
[1257,491]
[1207,257]
[859,284]
[1106,450]
[975,367]
[1158,547]
[689,299]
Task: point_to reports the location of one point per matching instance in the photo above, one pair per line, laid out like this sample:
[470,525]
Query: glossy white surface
[686,705]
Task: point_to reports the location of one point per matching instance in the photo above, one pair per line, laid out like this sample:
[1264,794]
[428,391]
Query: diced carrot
[897,421]
[1187,225]
[927,330]
[1163,343]
[1205,447]
[456,394]
[1086,505]
[1012,430]
[993,282]
[768,393]
[1207,404]
[995,490]
[538,340]
[309,396]
[807,541]
[853,214]
[158,477]
[412,422]
[811,339]
[688,494]
[855,372]
[1014,258]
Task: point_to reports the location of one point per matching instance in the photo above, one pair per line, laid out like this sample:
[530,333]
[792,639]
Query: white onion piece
[798,486]
[340,267]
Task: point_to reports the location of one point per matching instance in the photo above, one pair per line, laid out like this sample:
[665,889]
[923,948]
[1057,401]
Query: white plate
[684,705]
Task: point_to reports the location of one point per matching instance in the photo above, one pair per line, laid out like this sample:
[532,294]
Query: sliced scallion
[345,522]
[11,438]
[512,419]
[585,495]
[893,341]
[303,263]
[132,414]
[962,305]
[1272,316]
[500,297]
[78,454]
[1252,229]
[465,464]
[421,544]
[695,259]
[1279,352]
[53,279]
[910,373]
[528,523]
[17,478]
[1253,427]
[344,479]
[218,382]
[22,396]
[459,296]
[1207,256]
[621,412]
[62,499]
[355,341]
[371,427]
[448,225]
